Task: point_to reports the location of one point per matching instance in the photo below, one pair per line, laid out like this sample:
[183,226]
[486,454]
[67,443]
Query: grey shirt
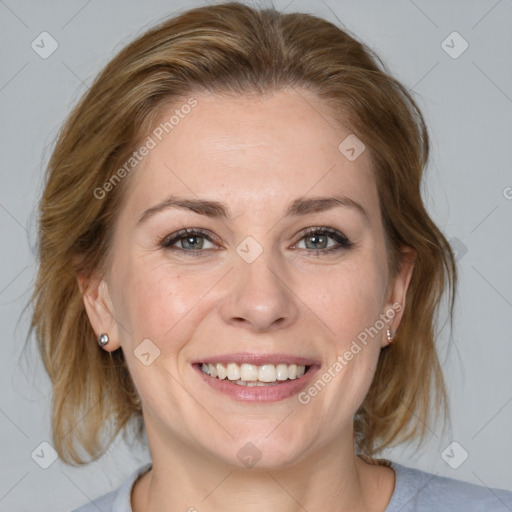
[415,491]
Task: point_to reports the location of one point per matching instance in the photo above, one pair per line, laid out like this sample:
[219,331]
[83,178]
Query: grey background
[468,105]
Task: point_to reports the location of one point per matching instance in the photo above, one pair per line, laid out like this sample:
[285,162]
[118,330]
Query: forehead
[251,150]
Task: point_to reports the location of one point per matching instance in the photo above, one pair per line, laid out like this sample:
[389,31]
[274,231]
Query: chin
[260,452]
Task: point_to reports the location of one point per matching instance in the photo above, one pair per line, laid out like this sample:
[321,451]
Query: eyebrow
[215,209]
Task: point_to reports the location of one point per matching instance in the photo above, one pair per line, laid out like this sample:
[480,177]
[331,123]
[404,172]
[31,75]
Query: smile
[260,378]
[254,375]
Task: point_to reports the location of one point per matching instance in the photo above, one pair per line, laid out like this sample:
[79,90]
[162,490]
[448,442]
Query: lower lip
[273,393]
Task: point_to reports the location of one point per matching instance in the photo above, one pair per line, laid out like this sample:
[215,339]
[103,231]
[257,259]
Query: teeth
[233,371]
[221,371]
[267,373]
[248,372]
[250,384]
[253,375]
[212,370]
[282,371]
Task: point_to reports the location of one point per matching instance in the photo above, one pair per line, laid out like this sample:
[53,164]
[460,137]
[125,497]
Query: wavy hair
[235,49]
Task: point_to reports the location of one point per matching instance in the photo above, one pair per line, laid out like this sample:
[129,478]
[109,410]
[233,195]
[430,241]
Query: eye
[190,241]
[317,240]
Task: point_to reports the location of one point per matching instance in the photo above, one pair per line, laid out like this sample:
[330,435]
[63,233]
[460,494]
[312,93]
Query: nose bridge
[259,296]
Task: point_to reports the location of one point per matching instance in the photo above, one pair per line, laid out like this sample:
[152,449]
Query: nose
[260,296]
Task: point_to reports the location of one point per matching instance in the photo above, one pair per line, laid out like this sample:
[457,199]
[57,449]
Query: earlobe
[99,309]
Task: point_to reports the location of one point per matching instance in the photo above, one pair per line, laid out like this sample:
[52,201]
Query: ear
[98,305]
[397,291]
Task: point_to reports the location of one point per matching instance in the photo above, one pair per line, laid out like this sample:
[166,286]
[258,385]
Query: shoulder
[118,500]
[420,491]
[103,503]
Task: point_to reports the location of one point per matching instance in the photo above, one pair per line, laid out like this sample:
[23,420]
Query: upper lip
[257,359]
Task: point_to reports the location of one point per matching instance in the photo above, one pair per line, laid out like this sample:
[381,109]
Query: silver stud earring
[103,339]
[388,334]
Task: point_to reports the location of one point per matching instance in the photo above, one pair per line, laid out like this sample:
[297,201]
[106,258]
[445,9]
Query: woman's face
[288,268]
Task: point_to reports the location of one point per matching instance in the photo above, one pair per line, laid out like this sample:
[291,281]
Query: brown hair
[231,48]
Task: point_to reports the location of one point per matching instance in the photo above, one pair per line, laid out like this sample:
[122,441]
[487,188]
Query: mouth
[253,378]
[252,375]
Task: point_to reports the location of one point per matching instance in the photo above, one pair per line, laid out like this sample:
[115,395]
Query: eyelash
[340,238]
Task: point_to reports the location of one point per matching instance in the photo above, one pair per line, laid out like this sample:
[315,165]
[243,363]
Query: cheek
[356,304]
[352,299]
[154,301]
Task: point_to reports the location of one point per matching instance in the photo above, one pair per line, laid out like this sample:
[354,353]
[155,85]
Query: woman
[235,256]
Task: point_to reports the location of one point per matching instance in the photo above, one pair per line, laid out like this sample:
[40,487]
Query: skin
[255,154]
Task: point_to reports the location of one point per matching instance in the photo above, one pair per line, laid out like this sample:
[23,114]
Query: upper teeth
[252,372]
